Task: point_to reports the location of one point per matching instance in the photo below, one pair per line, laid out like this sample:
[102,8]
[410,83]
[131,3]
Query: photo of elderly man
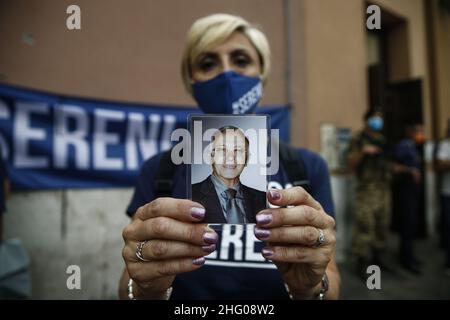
[225,197]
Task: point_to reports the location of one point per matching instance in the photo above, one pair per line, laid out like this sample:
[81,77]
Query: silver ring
[321,238]
[139,248]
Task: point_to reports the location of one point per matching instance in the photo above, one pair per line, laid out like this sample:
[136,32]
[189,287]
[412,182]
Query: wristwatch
[325,285]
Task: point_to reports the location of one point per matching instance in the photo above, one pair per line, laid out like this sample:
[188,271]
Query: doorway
[393,91]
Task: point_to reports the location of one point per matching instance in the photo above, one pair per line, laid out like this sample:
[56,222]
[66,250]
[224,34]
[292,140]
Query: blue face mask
[228,93]
[375,123]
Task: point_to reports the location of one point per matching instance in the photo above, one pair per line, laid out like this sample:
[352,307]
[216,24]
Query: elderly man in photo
[224,196]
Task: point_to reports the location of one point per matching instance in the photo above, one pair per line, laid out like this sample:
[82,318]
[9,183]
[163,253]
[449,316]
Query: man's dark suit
[205,193]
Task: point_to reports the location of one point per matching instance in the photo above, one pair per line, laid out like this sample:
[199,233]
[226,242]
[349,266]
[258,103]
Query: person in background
[407,164]
[443,169]
[367,157]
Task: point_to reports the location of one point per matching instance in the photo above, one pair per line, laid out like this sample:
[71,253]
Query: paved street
[434,283]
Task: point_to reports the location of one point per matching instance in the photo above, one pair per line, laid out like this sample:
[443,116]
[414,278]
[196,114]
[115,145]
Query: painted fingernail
[209,248]
[275,195]
[262,234]
[197,213]
[210,238]
[267,252]
[264,218]
[199,261]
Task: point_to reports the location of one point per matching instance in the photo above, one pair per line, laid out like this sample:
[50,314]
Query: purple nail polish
[275,195]
[209,248]
[197,213]
[267,252]
[262,234]
[264,218]
[199,261]
[210,238]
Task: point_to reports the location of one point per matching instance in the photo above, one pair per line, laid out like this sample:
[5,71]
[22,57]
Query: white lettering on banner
[145,135]
[4,114]
[136,137]
[102,139]
[23,133]
[170,121]
[63,138]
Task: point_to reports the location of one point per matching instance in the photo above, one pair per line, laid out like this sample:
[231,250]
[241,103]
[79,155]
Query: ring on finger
[320,238]
[139,248]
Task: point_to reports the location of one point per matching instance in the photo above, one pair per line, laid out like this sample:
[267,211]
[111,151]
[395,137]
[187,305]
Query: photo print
[228,168]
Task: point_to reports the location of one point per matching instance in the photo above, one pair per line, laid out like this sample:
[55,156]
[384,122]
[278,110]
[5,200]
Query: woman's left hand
[292,236]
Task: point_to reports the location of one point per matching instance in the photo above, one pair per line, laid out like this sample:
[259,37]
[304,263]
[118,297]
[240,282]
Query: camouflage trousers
[371,219]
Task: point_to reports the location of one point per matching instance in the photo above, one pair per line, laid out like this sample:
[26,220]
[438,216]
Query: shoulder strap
[163,182]
[294,165]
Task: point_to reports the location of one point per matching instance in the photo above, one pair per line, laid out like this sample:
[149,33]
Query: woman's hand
[174,244]
[292,239]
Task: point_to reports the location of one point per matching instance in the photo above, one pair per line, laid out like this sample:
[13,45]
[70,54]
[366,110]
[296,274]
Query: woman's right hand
[175,244]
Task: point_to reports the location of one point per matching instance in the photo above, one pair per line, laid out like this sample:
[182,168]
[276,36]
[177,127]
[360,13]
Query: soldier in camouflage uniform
[368,158]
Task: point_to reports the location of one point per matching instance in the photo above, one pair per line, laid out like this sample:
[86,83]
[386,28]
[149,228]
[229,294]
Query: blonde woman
[291,251]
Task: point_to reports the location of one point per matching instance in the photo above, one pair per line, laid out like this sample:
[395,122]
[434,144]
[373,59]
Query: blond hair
[214,29]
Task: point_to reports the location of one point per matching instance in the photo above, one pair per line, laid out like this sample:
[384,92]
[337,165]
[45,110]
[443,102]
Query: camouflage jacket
[373,169]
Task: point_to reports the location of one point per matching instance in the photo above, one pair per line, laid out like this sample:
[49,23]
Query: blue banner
[53,141]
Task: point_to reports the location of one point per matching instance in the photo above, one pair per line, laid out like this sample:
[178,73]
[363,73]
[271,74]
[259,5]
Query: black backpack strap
[294,166]
[163,182]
